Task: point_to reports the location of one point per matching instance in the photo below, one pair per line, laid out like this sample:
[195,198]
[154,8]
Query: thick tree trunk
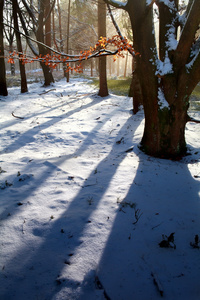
[165,137]
[3,85]
[103,88]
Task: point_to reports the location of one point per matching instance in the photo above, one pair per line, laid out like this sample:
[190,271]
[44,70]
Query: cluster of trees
[48,27]
[166,57]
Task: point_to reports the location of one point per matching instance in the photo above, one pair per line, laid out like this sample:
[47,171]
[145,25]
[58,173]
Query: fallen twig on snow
[99,286]
[47,91]
[23,231]
[196,242]
[138,215]
[190,119]
[157,283]
[17,116]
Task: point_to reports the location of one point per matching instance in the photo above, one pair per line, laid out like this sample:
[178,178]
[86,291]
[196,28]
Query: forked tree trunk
[3,85]
[167,78]
[165,95]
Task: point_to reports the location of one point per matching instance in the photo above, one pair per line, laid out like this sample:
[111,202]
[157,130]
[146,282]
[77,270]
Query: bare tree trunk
[48,77]
[68,23]
[3,85]
[125,65]
[12,66]
[61,38]
[91,67]
[47,24]
[103,88]
[24,87]
[135,89]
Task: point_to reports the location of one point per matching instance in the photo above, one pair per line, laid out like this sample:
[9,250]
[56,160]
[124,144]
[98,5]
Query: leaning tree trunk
[3,85]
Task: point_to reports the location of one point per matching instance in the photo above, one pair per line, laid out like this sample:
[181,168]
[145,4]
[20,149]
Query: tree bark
[103,88]
[3,85]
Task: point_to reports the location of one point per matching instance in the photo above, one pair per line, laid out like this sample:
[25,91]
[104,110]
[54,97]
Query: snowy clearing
[83,210]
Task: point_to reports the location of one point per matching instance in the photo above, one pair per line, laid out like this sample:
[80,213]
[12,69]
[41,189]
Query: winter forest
[99,149]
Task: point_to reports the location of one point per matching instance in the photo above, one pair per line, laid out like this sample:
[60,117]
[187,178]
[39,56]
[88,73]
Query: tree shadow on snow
[36,182]
[40,269]
[21,140]
[164,198]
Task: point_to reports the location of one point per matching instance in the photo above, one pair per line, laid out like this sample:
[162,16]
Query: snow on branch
[170,4]
[172,42]
[164,67]
[117,4]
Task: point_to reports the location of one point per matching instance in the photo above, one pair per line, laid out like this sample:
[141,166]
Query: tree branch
[193,70]
[50,11]
[30,12]
[116,3]
[189,119]
[187,35]
[119,32]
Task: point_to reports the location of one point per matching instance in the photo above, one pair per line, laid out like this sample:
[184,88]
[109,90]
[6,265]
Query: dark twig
[17,116]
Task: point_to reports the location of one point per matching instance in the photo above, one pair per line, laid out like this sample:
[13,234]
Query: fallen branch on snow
[47,91]
[189,119]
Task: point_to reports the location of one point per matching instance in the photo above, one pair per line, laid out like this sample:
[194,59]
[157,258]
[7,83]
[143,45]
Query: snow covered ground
[83,210]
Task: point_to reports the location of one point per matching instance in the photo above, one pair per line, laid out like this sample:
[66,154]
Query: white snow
[83,210]
[168,3]
[148,2]
[164,67]
[119,4]
[162,101]
[172,41]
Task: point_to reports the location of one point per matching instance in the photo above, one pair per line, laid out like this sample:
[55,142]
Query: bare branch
[30,12]
[130,50]
[188,34]
[116,4]
[189,119]
[50,11]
